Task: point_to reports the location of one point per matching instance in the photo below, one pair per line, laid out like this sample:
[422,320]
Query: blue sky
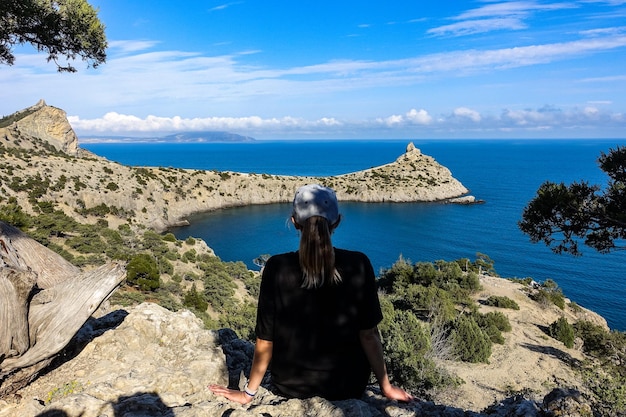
[344,69]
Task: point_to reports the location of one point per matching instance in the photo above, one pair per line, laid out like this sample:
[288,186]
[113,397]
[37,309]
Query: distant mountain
[207,136]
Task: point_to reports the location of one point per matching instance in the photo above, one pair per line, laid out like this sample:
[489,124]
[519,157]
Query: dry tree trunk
[44,301]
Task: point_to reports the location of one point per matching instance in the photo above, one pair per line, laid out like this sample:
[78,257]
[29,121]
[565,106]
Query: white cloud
[394,120]
[509,15]
[224,6]
[127,46]
[471,27]
[466,113]
[420,117]
[591,112]
[114,123]
[412,117]
[512,8]
[176,82]
[512,122]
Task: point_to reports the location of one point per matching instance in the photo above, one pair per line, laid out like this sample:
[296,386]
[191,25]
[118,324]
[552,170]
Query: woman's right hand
[231,394]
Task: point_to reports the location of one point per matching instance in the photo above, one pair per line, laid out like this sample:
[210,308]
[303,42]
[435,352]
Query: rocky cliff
[40,123]
[159,197]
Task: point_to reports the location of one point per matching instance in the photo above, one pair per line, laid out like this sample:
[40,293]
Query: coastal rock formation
[159,198]
[41,122]
[148,360]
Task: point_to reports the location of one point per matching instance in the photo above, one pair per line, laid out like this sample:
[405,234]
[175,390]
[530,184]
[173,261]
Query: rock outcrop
[45,123]
[148,361]
[159,198]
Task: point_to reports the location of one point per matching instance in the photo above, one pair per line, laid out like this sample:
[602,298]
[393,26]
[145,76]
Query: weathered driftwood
[44,301]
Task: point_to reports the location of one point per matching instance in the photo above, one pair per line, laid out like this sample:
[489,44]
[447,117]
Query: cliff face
[43,122]
[162,197]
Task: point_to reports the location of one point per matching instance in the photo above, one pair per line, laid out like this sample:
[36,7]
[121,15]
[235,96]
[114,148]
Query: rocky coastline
[159,197]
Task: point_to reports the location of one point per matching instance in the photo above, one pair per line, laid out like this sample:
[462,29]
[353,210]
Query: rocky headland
[145,360]
[161,197]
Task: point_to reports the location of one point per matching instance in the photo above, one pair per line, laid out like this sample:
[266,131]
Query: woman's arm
[262,357]
[370,341]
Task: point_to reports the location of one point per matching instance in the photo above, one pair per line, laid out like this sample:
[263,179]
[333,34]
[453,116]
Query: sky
[343,69]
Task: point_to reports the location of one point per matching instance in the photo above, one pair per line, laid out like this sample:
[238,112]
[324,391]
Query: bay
[504,173]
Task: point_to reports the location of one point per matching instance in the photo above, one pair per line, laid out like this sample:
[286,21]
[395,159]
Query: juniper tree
[66,29]
[562,216]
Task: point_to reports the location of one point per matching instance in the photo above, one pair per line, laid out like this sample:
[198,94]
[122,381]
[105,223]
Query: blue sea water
[504,173]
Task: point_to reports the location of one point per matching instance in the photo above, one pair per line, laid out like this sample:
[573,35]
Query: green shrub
[253,285]
[195,300]
[11,213]
[219,289]
[501,302]
[127,298]
[427,301]
[594,337]
[87,243]
[165,266]
[562,331]
[608,346]
[172,286]
[499,320]
[524,281]
[169,237]
[609,389]
[45,207]
[166,299]
[406,345]
[549,293]
[241,319]
[189,256]
[142,272]
[399,276]
[470,343]
[445,275]
[493,324]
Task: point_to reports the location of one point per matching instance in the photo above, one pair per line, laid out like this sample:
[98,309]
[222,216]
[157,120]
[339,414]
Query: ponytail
[316,253]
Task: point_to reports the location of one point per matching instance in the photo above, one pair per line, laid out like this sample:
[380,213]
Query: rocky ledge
[148,361]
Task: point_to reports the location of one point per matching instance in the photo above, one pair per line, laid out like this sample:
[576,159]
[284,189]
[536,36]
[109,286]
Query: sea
[504,173]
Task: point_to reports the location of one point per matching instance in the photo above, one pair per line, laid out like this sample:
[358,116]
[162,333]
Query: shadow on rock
[90,330]
[53,413]
[142,404]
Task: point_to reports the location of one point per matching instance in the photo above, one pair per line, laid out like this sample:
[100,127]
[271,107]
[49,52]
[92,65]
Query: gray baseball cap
[315,200]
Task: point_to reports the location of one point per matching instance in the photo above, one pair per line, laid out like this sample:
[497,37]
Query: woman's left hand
[231,394]
[395,393]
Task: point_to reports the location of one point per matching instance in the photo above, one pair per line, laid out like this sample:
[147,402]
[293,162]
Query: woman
[318,314]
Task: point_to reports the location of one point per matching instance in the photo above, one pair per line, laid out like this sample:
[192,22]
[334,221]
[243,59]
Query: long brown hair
[316,253]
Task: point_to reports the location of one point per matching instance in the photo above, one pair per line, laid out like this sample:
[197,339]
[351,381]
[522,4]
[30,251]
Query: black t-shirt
[315,332]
